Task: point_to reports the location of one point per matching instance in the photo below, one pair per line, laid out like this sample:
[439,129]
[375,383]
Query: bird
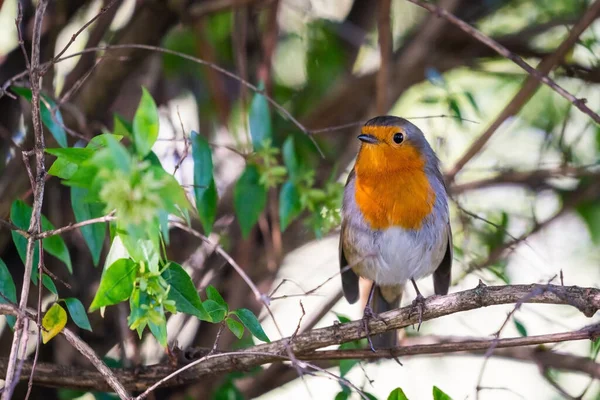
[395,224]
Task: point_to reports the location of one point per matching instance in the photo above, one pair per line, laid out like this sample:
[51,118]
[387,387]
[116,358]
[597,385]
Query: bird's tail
[386,298]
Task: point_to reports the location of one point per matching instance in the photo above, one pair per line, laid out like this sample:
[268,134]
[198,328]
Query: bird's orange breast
[392,189]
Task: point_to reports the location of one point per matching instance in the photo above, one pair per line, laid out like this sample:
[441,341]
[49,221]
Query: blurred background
[525,207]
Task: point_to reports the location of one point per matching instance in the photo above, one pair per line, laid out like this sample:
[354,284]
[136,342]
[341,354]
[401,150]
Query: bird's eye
[398,138]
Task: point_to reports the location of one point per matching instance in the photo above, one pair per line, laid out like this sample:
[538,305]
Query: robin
[395,220]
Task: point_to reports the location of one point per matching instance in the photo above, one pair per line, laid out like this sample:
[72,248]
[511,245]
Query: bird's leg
[368,315]
[419,302]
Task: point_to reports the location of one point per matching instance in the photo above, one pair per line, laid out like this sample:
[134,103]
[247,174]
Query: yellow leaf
[53,322]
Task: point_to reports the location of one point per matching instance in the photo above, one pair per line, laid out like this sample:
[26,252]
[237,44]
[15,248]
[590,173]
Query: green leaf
[216,311]
[20,214]
[121,126]
[84,210]
[347,365]
[54,123]
[75,155]
[251,323]
[289,204]
[183,292]
[455,108]
[145,124]
[249,199]
[590,213]
[289,158]
[520,327]
[62,168]
[595,348]
[49,284]
[55,245]
[471,99]
[116,284]
[53,322]
[235,327]
[438,394]
[204,183]
[397,394]
[78,314]
[8,291]
[159,331]
[213,294]
[342,396]
[260,120]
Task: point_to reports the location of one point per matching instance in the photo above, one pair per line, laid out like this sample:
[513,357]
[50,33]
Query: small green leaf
[54,123]
[455,108]
[75,155]
[78,314]
[235,327]
[62,168]
[289,158]
[595,348]
[159,331]
[260,120]
[145,124]
[347,365]
[8,291]
[438,394]
[204,183]
[397,394]
[213,294]
[342,318]
[116,284]
[20,214]
[53,322]
[121,126]
[249,199]
[471,99]
[342,396]
[84,210]
[216,311]
[520,327]
[49,284]
[183,292]
[289,204]
[251,323]
[55,245]
[590,213]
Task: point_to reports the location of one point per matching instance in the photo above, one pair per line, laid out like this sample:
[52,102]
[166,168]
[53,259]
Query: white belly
[405,255]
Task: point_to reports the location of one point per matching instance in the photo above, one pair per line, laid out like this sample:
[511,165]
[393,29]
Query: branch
[531,83]
[20,336]
[304,345]
[540,74]
[102,372]
[534,179]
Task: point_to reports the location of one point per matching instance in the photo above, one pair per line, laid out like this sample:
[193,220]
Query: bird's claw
[369,315]
[419,304]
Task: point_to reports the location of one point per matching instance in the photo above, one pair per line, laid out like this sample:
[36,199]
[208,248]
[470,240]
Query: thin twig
[385,39]
[545,66]
[282,110]
[35,221]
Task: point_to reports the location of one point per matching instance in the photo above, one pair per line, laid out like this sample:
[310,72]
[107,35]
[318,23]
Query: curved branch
[587,300]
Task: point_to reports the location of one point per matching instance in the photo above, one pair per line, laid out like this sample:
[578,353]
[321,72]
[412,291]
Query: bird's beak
[367,138]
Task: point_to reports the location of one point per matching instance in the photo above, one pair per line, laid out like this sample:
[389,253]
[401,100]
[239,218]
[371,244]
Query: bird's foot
[419,304]
[370,315]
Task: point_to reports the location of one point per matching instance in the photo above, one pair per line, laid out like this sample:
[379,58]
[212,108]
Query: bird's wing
[349,277]
[442,275]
